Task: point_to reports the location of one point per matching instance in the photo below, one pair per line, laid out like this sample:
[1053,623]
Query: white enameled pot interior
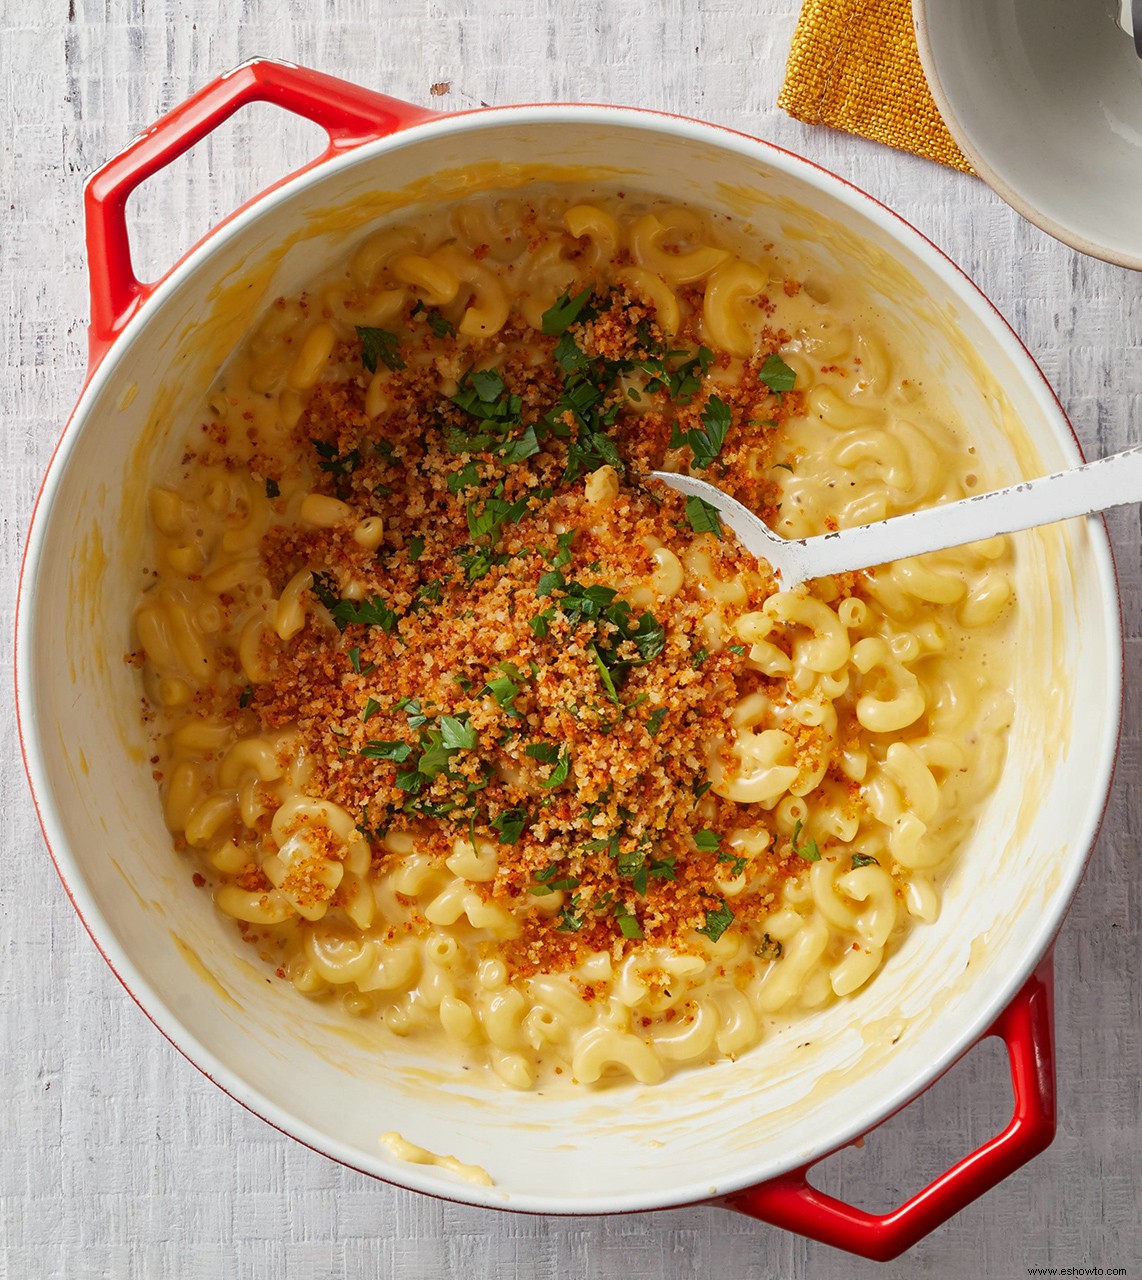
[1045,99]
[332,1082]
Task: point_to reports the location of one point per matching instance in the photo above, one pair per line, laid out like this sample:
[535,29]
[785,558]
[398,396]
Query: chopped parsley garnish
[808,850]
[441,327]
[597,603]
[336,464]
[605,675]
[544,752]
[477,562]
[379,345]
[415,548]
[522,446]
[453,734]
[483,395]
[355,661]
[246,696]
[628,922]
[561,770]
[703,516]
[549,881]
[509,824]
[768,949]
[428,593]
[273,489]
[717,921]
[684,382]
[505,691]
[700,656]
[655,719]
[372,706]
[737,862]
[561,554]
[662,868]
[785,466]
[386,749]
[411,708]
[371,612]
[776,374]
[706,840]
[864,860]
[467,475]
[563,313]
[495,513]
[569,920]
[706,444]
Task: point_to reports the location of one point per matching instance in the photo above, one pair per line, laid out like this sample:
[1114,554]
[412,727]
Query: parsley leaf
[523,446]
[717,921]
[386,749]
[510,824]
[273,489]
[441,327]
[561,770]
[355,661]
[494,515]
[662,868]
[372,706]
[563,554]
[737,863]
[457,734]
[706,444]
[547,883]
[379,344]
[776,374]
[768,949]
[564,312]
[808,850]
[569,922]
[415,548]
[655,719]
[467,475]
[372,612]
[505,690]
[703,516]
[864,860]
[605,676]
[706,840]
[628,922]
[336,464]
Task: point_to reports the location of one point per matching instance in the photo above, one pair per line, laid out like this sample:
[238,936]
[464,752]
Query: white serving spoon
[1082,491]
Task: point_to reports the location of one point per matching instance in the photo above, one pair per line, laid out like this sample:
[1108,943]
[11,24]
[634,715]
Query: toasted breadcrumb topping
[500,669]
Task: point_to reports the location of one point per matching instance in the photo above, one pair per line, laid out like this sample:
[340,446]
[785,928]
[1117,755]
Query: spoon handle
[1097,486]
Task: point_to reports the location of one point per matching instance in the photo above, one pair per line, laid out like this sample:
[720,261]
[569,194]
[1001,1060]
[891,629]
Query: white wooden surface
[117,1158]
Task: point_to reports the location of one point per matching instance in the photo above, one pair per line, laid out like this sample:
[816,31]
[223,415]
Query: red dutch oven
[741,1134]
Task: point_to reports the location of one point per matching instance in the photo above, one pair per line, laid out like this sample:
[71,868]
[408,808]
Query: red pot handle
[349,114]
[1026,1027]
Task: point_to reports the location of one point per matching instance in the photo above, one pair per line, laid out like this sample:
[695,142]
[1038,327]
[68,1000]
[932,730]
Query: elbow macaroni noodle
[876,722]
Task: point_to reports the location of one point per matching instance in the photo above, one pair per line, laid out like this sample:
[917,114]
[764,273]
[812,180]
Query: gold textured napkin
[854,65]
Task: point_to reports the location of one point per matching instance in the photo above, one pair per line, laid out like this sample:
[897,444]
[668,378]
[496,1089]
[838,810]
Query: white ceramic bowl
[1044,98]
[336,1085]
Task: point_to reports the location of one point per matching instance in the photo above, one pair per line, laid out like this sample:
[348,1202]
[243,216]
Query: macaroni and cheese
[467,722]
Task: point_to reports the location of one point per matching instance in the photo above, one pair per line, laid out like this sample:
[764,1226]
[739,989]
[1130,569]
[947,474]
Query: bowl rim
[75,882]
[1002,186]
